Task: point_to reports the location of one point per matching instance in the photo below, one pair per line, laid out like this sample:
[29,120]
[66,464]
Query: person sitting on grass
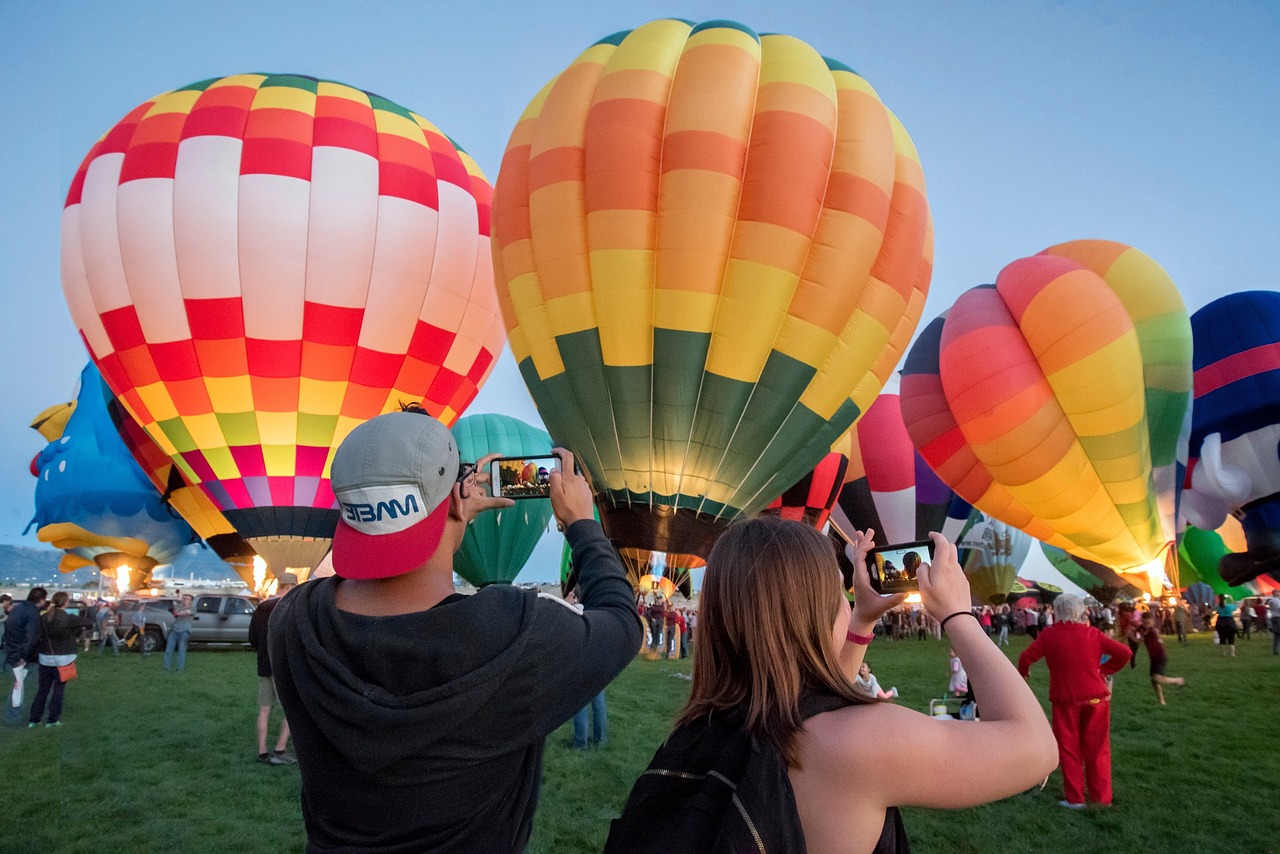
[778,650]
[866,683]
[1149,634]
[1080,694]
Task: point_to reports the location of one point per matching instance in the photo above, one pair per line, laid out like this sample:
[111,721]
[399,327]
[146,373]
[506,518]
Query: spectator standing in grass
[107,623]
[1246,621]
[1180,620]
[179,633]
[1149,634]
[1003,619]
[1226,624]
[1260,615]
[958,685]
[21,638]
[259,632]
[658,621]
[1081,698]
[1273,617]
[56,649]
[138,627]
[419,714]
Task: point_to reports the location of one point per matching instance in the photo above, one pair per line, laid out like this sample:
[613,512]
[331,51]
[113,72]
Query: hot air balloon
[1236,426]
[258,263]
[992,553]
[811,498]
[711,247]
[1054,399]
[1095,579]
[498,543]
[1202,552]
[94,502]
[889,487]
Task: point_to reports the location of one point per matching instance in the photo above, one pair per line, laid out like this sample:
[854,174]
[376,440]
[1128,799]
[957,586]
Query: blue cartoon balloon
[92,499]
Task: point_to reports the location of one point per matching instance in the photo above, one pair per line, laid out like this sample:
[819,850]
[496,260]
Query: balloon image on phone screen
[893,568]
[523,477]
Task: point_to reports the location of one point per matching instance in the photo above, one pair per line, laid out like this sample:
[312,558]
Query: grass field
[148,762]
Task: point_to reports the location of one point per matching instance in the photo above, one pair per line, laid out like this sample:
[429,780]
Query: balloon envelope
[498,543]
[889,487]
[1054,400]
[1236,426]
[711,247]
[258,263]
[94,502]
[1095,579]
[811,498]
[995,553]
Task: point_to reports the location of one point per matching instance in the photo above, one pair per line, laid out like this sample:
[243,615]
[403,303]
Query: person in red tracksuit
[1080,693]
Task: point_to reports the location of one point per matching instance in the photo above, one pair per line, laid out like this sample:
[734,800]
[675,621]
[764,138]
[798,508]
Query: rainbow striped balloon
[1054,400]
[711,248]
[259,263]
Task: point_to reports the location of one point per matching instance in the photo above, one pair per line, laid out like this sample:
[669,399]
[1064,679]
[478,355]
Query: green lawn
[150,762]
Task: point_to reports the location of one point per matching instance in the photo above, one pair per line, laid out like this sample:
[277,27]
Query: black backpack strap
[814,703]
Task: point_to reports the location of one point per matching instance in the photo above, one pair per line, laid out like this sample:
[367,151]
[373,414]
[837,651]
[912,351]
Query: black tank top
[893,835]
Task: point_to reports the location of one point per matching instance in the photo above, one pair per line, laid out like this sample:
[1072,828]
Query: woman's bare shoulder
[860,733]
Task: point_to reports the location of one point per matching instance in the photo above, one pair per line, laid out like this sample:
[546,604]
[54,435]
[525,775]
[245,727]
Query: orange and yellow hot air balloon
[1054,401]
[258,263]
[711,248]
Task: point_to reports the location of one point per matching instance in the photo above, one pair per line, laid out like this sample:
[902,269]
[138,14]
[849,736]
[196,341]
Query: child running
[867,684]
[1149,633]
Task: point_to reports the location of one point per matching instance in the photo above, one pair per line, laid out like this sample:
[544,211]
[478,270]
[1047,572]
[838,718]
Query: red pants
[1083,732]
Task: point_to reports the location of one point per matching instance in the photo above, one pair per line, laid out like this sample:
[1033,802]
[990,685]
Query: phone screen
[893,568]
[523,477]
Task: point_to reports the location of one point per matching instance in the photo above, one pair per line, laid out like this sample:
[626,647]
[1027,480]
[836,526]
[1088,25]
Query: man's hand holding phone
[570,493]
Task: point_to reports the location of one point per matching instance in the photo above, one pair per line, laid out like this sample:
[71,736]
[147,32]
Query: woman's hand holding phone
[944,588]
[868,605]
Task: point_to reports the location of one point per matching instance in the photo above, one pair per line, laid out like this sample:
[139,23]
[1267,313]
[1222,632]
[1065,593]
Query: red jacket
[1072,651]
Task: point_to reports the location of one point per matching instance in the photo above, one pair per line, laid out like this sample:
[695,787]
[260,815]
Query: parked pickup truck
[216,618]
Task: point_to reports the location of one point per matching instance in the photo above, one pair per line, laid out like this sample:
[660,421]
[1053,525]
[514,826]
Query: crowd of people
[669,626]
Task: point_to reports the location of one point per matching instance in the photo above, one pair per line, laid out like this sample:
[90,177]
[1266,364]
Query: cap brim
[368,556]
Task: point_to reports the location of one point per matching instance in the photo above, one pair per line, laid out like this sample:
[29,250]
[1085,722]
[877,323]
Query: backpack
[713,788]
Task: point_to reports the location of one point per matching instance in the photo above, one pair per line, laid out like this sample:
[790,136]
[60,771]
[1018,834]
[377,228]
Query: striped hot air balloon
[1053,400]
[711,248]
[889,487]
[1093,578]
[259,263]
[811,498]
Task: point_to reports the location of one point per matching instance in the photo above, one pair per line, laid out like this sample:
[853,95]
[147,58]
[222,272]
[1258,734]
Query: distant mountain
[21,566]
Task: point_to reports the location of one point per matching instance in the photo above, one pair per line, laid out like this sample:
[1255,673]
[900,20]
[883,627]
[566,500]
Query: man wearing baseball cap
[419,715]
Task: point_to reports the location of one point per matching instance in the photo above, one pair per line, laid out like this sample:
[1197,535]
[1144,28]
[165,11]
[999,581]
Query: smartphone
[523,477]
[893,568]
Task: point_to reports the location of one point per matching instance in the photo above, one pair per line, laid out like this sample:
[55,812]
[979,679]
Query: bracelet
[943,624]
[859,639]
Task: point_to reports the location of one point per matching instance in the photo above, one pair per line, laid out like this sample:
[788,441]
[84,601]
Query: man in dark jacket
[259,631]
[419,715]
[21,635]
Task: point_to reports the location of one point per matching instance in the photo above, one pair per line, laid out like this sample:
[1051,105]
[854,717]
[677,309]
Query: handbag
[66,672]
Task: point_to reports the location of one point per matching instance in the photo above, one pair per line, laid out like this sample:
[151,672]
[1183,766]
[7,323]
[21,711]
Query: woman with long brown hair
[777,655]
[57,648]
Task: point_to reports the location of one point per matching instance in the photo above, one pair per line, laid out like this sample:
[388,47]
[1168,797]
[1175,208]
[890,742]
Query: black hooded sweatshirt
[425,731]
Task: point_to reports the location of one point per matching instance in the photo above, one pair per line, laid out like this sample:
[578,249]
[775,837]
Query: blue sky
[1154,124]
